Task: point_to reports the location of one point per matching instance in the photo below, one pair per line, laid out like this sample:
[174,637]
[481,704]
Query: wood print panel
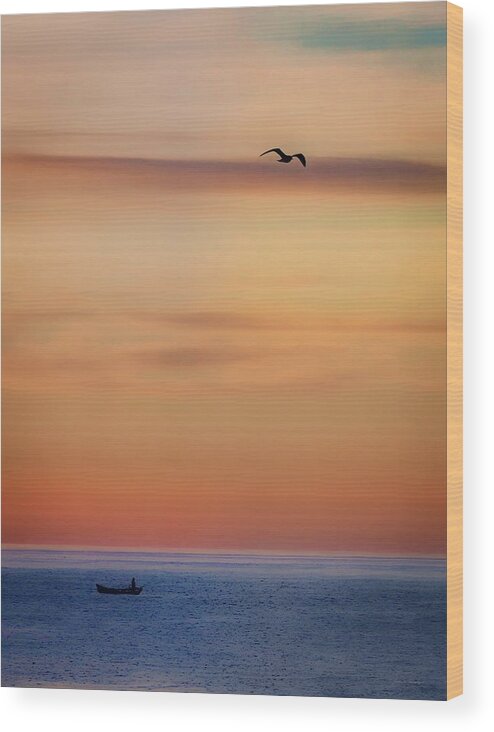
[231,350]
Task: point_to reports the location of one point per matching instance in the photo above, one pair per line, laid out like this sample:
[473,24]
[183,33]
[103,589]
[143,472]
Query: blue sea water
[305,626]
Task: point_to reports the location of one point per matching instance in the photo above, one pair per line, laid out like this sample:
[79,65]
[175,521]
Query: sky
[204,349]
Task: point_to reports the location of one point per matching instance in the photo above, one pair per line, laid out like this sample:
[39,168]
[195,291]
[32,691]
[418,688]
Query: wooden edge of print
[454,351]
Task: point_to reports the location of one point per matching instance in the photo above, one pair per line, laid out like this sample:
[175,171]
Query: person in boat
[133,584]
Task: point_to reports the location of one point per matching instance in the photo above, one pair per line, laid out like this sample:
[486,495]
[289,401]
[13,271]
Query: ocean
[282,625]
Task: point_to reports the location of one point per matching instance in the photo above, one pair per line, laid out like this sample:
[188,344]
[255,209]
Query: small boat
[132,589]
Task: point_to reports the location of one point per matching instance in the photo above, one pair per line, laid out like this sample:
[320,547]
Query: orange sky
[204,349]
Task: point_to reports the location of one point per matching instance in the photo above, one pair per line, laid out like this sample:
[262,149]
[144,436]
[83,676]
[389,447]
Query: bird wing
[274,149]
[302,159]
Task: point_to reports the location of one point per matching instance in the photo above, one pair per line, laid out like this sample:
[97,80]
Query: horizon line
[219,552]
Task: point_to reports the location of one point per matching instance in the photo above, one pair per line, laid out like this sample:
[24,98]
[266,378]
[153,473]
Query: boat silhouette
[132,589]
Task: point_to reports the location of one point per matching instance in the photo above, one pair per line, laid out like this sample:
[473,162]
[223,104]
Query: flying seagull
[284,158]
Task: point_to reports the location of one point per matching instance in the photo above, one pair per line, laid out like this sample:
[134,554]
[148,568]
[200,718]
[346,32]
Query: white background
[54,710]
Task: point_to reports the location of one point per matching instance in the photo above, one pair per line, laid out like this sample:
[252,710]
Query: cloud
[190,175]
[193,357]
[376,27]
[380,35]
[217,320]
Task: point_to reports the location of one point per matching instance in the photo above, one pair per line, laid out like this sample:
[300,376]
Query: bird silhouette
[284,158]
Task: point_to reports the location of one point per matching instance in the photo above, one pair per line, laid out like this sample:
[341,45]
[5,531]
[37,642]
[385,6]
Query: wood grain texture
[455,352]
